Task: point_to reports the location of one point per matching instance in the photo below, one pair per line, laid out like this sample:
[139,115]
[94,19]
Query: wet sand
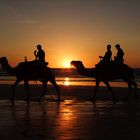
[75,118]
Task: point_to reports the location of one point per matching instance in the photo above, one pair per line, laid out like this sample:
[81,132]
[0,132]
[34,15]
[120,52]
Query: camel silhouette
[108,73]
[26,71]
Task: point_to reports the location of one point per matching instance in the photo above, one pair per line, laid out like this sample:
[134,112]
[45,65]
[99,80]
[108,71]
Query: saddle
[36,65]
[109,65]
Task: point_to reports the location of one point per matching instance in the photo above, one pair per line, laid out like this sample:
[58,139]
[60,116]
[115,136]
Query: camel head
[77,64]
[3,60]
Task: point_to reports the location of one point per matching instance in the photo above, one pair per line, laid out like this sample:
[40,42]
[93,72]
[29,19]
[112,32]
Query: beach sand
[67,92]
[75,118]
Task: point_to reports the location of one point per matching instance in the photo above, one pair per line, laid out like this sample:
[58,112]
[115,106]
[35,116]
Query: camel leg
[110,89]
[13,89]
[130,84]
[57,88]
[95,90]
[26,85]
[129,92]
[135,88]
[44,84]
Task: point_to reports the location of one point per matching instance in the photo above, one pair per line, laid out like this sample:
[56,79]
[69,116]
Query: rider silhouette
[39,54]
[119,58]
[106,59]
[40,57]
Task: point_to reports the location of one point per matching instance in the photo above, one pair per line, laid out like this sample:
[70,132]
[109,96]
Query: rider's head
[117,46]
[38,47]
[108,47]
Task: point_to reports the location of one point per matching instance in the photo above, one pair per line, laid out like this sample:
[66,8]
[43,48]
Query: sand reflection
[67,120]
[67,111]
[67,114]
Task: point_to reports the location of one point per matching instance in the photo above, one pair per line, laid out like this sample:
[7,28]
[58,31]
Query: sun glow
[66,64]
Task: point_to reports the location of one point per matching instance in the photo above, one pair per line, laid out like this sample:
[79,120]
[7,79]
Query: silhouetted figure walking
[106,59]
[119,58]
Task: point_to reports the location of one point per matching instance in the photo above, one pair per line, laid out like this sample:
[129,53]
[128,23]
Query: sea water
[69,81]
[68,77]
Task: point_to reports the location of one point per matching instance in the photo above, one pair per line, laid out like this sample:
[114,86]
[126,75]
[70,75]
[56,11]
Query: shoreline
[67,92]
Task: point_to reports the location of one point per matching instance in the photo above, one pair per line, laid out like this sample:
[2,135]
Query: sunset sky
[69,30]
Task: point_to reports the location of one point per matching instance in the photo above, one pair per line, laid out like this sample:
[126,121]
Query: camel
[108,73]
[27,71]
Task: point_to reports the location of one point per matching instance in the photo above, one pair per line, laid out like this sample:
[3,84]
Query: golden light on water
[66,81]
[67,78]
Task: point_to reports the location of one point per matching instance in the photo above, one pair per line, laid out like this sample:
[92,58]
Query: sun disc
[67,64]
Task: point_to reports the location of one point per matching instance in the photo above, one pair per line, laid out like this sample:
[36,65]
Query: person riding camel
[40,58]
[107,57]
[39,54]
[119,58]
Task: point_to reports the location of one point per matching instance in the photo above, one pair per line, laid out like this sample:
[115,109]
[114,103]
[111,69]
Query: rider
[119,58]
[40,57]
[39,54]
[107,57]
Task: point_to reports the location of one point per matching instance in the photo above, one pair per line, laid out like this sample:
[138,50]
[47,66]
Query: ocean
[69,77]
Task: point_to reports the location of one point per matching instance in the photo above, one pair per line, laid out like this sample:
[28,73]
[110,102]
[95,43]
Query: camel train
[26,71]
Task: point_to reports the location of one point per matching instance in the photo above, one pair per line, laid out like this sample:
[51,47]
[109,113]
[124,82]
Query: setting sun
[66,64]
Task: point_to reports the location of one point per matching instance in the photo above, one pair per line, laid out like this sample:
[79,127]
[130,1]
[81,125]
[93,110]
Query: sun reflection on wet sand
[67,111]
[67,120]
[67,114]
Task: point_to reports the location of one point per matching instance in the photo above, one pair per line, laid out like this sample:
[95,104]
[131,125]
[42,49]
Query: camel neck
[81,70]
[89,72]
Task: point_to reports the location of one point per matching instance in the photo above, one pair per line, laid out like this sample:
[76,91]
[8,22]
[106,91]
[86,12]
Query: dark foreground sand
[75,118]
[67,92]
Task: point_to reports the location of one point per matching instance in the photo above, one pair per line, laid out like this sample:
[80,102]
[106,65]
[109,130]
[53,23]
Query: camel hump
[115,69]
[129,71]
[32,65]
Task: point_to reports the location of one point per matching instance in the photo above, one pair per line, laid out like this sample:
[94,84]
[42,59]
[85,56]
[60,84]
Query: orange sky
[69,30]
